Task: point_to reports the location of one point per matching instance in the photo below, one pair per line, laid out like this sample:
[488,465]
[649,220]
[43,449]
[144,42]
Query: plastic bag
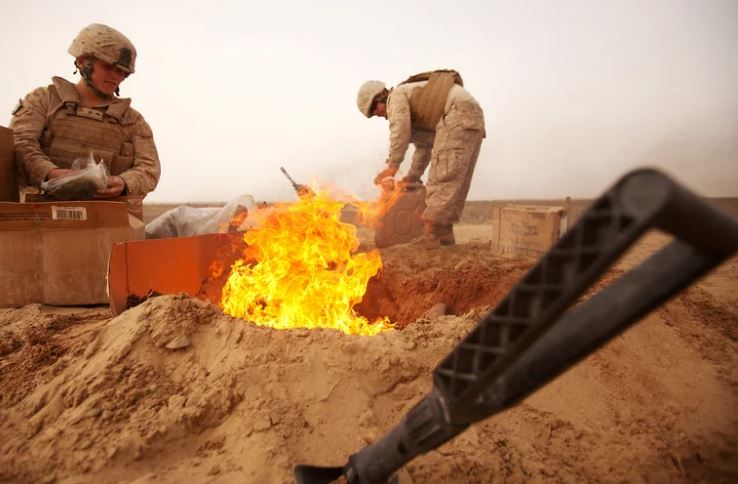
[82,185]
[181,221]
[186,221]
[233,217]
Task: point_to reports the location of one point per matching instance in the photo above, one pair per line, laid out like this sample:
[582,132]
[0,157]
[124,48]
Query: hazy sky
[575,92]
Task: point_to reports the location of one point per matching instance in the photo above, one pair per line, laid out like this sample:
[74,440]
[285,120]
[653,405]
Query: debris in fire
[302,270]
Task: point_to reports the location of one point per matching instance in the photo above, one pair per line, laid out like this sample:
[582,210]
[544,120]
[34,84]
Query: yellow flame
[301,270]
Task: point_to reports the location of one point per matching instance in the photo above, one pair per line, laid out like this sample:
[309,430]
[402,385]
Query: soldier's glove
[388,172]
[411,177]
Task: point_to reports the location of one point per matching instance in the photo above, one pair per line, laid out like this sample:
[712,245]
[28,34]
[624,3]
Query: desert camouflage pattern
[106,44]
[428,103]
[459,137]
[451,150]
[51,130]
[367,92]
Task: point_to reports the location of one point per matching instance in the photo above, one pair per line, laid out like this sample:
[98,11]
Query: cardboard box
[133,202]
[526,230]
[8,182]
[197,265]
[57,253]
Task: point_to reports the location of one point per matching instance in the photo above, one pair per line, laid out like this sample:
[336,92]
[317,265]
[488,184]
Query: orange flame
[302,270]
[371,212]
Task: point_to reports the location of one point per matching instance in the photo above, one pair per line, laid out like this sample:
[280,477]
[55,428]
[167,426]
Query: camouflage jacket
[51,130]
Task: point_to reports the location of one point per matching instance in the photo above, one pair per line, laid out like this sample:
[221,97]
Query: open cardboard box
[198,266]
[57,253]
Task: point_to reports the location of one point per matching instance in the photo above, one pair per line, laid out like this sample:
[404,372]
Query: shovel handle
[514,350]
[422,429]
[641,200]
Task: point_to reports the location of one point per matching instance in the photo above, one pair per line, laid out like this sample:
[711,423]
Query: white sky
[575,92]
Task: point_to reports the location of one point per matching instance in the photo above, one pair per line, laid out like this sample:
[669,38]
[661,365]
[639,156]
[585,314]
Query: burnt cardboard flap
[57,253]
[197,265]
[8,183]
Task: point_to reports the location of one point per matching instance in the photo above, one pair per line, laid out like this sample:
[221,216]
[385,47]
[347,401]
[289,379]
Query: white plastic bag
[233,217]
[186,221]
[82,185]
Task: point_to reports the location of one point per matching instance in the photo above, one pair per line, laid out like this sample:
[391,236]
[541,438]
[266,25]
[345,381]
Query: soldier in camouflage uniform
[57,124]
[446,125]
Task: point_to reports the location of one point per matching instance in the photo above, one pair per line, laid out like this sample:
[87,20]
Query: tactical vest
[428,103]
[72,131]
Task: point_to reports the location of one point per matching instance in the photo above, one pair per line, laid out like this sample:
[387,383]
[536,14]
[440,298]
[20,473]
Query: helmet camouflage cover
[107,44]
[367,92]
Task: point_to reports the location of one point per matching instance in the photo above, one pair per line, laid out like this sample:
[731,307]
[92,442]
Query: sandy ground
[174,390]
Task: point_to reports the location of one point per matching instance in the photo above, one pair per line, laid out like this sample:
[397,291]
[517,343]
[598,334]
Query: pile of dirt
[175,390]
[176,376]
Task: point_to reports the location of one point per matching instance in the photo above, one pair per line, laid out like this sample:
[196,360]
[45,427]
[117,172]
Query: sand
[174,390]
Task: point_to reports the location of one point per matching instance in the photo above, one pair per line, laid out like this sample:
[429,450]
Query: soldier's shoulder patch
[17,107]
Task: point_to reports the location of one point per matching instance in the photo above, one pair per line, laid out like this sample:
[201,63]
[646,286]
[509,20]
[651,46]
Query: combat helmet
[367,92]
[107,44]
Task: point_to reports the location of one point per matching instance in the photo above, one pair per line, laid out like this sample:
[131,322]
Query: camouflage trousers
[455,151]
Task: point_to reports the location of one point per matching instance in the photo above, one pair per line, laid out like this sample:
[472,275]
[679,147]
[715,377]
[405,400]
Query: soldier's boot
[445,234]
[429,240]
[434,236]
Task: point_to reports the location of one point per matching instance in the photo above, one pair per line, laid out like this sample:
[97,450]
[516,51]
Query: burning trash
[301,269]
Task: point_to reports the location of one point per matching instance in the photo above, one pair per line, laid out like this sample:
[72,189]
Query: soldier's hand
[115,187]
[388,172]
[411,178]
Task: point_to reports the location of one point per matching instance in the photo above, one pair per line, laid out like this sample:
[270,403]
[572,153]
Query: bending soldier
[446,125]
